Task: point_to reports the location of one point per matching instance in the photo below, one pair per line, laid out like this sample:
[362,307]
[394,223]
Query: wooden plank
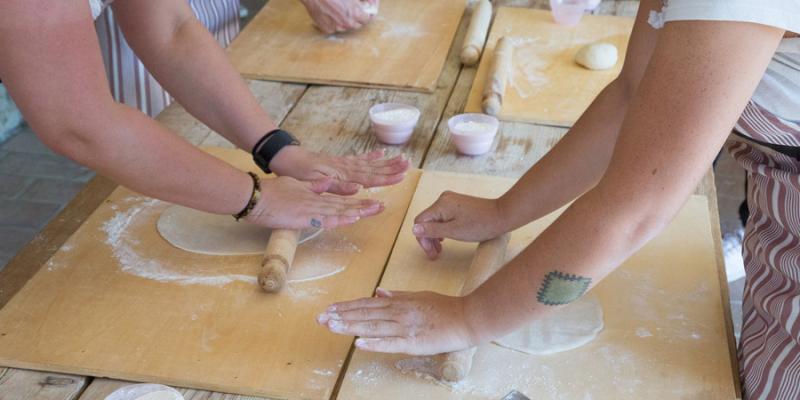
[276,98]
[404,47]
[548,86]
[336,120]
[91,310]
[517,145]
[24,384]
[664,333]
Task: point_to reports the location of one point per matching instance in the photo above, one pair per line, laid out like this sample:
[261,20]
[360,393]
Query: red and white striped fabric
[769,352]
[769,347]
[128,78]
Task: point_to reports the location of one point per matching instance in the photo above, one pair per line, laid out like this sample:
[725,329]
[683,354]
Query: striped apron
[128,78]
[768,147]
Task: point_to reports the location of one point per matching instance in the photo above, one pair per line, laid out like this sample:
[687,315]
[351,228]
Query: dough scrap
[212,234]
[565,329]
[597,56]
[145,391]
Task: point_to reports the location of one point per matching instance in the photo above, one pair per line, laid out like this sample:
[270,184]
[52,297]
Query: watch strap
[270,145]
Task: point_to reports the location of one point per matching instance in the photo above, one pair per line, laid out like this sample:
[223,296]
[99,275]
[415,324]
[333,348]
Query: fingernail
[425,245]
[362,343]
[323,318]
[417,229]
[336,326]
[333,316]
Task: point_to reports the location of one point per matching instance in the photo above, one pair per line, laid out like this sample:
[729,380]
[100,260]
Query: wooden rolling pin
[278,259]
[476,34]
[488,258]
[500,73]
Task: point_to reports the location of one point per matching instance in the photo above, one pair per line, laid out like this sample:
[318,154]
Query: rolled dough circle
[568,328]
[597,56]
[204,233]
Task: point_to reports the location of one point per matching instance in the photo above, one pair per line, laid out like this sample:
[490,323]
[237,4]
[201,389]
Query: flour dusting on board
[395,29]
[121,235]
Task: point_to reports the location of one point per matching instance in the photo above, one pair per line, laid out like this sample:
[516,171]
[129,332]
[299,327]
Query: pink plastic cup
[473,134]
[568,12]
[393,123]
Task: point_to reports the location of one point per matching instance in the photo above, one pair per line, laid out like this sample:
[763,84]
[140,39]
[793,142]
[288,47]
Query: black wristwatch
[270,145]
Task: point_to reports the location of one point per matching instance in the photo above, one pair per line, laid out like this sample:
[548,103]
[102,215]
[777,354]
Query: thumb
[344,188]
[321,185]
[433,230]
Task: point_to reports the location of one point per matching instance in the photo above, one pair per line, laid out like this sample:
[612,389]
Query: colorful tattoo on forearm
[559,288]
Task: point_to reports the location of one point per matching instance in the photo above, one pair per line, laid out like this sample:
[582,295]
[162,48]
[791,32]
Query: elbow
[76,136]
[645,226]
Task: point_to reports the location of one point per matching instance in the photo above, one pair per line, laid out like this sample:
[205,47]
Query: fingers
[372,328]
[430,248]
[366,302]
[386,345]
[321,185]
[361,17]
[344,188]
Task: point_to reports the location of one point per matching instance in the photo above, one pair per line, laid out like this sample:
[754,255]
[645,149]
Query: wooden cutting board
[665,334]
[548,86]
[118,301]
[404,47]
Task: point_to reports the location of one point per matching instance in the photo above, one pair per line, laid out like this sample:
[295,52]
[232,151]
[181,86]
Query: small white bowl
[393,123]
[473,134]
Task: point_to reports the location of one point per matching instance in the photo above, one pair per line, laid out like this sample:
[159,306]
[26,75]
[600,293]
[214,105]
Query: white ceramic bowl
[473,134]
[393,123]
[568,12]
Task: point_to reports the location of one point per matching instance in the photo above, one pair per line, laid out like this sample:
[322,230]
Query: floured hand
[418,323]
[348,173]
[457,216]
[332,16]
[291,204]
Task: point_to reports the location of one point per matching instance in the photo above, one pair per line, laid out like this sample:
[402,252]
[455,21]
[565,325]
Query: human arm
[582,155]
[52,68]
[186,59]
[697,82]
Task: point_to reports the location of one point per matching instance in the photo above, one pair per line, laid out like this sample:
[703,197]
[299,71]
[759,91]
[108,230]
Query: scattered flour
[323,372]
[397,115]
[124,247]
[393,29]
[643,332]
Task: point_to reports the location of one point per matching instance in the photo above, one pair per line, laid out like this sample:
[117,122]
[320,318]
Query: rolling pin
[278,259]
[476,34]
[500,73]
[488,258]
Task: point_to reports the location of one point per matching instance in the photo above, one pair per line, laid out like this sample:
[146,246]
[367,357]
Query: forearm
[185,58]
[582,155]
[695,87]
[139,153]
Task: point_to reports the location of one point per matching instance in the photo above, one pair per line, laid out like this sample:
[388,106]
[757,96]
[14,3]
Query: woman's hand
[458,216]
[291,204]
[348,174]
[419,323]
[332,16]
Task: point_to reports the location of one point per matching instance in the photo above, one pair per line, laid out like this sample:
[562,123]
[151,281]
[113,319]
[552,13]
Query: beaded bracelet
[254,197]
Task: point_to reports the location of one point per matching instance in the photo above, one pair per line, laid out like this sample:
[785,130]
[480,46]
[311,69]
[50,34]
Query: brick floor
[35,184]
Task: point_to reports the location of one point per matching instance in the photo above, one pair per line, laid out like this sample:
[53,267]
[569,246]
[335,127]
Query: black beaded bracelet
[254,197]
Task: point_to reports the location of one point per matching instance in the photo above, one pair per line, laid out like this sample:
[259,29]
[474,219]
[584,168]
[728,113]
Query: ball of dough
[597,56]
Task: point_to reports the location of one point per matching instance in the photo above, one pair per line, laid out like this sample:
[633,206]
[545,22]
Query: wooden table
[333,119]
